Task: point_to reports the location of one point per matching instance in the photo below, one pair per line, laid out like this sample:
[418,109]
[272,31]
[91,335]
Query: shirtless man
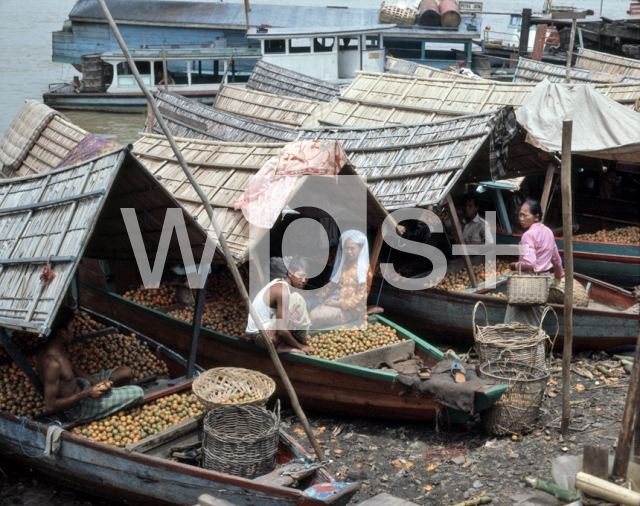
[79,395]
[278,301]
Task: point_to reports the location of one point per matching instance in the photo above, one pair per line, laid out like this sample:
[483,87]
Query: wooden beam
[538,45]
[457,232]
[567,225]
[546,191]
[572,39]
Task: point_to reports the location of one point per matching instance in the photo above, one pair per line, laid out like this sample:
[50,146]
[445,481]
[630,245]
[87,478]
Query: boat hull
[615,263]
[449,313]
[113,102]
[116,474]
[320,384]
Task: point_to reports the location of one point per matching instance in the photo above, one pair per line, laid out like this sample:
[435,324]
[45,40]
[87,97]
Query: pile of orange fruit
[624,235]
[84,324]
[459,280]
[25,342]
[240,397]
[17,395]
[134,424]
[227,316]
[116,350]
[163,296]
[340,343]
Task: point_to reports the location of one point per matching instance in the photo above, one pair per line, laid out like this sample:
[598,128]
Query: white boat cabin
[188,68]
[324,53]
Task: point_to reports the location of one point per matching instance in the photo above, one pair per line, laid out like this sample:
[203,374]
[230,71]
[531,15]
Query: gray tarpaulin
[602,128]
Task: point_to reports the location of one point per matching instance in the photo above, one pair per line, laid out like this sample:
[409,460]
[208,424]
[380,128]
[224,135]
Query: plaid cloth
[504,128]
[111,402]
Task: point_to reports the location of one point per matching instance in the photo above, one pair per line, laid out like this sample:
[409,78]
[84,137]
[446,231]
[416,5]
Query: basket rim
[545,374]
[221,372]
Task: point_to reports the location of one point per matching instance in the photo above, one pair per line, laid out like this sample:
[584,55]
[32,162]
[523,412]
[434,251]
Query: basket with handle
[215,387]
[527,289]
[241,440]
[556,292]
[399,12]
[512,341]
[516,412]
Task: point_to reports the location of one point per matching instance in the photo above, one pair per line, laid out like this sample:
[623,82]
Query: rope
[47,274]
[23,428]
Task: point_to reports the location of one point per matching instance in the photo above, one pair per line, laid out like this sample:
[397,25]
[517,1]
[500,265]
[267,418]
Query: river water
[26,68]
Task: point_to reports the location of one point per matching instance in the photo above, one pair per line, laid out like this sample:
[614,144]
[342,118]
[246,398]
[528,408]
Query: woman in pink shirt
[539,254]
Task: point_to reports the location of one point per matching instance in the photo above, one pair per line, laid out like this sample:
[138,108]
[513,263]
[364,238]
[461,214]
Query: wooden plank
[538,45]
[457,232]
[166,435]
[548,179]
[388,354]
[595,461]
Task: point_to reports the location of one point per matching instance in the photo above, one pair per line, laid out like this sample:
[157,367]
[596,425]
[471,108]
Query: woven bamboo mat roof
[69,213]
[193,120]
[603,62]
[51,145]
[409,68]
[530,71]
[285,111]
[283,82]
[375,99]
[223,170]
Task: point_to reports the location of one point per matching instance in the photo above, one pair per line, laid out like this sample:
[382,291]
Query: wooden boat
[143,473]
[108,85]
[320,384]
[610,320]
[617,263]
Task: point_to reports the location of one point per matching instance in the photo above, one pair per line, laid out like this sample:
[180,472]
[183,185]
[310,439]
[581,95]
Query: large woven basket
[214,385]
[527,289]
[556,292]
[516,412]
[241,440]
[512,341]
[398,12]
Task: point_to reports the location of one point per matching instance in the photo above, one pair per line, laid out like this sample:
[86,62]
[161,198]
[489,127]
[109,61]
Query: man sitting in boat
[160,79]
[474,230]
[68,389]
[283,311]
[345,297]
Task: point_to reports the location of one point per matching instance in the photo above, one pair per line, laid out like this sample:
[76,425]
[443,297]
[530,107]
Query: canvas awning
[69,213]
[602,128]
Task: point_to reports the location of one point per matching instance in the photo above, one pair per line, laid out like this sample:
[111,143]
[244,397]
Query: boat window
[144,67]
[348,44]
[177,71]
[515,20]
[123,69]
[323,45]
[373,42]
[275,46]
[300,46]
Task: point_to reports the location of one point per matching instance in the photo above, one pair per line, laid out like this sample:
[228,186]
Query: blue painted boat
[610,320]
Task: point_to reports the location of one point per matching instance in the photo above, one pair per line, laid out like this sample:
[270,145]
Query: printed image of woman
[345,296]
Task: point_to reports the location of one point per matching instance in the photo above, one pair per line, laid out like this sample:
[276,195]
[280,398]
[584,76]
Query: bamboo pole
[574,23]
[605,490]
[623,450]
[246,11]
[165,75]
[567,225]
[223,242]
[457,232]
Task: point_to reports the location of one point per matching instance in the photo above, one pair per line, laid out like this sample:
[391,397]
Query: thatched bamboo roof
[283,82]
[375,99]
[530,71]
[603,62]
[38,139]
[409,68]
[223,170]
[285,111]
[69,213]
[193,120]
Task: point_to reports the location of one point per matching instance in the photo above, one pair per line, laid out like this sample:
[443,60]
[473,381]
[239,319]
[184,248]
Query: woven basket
[556,292]
[512,341]
[241,440]
[527,289]
[222,382]
[398,12]
[516,412]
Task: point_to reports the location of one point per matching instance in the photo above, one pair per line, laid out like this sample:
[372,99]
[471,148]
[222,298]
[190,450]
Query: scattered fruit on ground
[116,350]
[240,398]
[134,424]
[340,343]
[626,235]
[17,395]
[455,281]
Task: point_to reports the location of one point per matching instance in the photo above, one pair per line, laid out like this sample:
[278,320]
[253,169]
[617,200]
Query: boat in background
[108,85]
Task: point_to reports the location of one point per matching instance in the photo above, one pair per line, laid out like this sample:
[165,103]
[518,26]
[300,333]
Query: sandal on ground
[458,372]
[424,372]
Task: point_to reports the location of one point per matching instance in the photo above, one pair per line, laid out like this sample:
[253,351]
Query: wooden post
[195,331]
[623,450]
[546,191]
[573,16]
[19,359]
[219,234]
[165,75]
[567,225]
[525,27]
[538,44]
[457,232]
[149,118]
[375,251]
[246,11]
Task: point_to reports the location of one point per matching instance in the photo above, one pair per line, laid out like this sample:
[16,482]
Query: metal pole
[525,28]
[567,225]
[195,331]
[223,242]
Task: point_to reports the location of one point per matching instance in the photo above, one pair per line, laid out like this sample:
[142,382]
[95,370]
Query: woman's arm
[557,262]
